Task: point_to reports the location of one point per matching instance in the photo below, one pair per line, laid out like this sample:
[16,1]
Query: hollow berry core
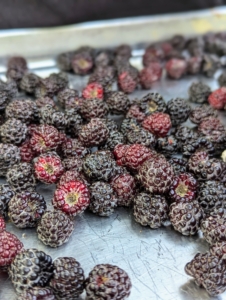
[101,280]
[152,106]
[49,168]
[181,189]
[72,198]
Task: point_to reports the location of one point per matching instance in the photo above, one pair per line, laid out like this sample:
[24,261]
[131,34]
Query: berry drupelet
[107,282]
[55,228]
[37,293]
[150,210]
[68,278]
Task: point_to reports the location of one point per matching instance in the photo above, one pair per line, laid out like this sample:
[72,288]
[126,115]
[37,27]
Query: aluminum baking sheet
[154,259]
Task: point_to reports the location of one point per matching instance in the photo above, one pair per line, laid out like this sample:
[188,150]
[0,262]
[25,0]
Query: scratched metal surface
[154,259]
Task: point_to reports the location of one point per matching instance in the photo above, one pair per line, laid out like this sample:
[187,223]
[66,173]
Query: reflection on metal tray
[154,259]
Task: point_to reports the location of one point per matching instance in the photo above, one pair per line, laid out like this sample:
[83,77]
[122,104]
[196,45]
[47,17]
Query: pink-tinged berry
[158,123]
[176,68]
[72,198]
[48,167]
[135,113]
[127,79]
[217,99]
[152,54]
[150,74]
[2,224]
[136,155]
[26,152]
[10,246]
[93,90]
[119,153]
[124,187]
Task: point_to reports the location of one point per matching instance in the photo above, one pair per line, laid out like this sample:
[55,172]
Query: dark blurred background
[40,13]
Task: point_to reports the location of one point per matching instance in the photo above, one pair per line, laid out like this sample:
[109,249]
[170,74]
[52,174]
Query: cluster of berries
[67,138]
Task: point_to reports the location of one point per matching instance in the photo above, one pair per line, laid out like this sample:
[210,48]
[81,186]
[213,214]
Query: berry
[103,58]
[115,138]
[127,78]
[94,108]
[178,42]
[193,145]
[45,138]
[50,116]
[186,216]
[218,139]
[20,177]
[102,199]
[48,167]
[26,152]
[72,175]
[16,68]
[103,75]
[208,272]
[30,268]
[111,124]
[135,113]
[128,125]
[176,68]
[64,61]
[150,74]
[13,131]
[217,99]
[10,246]
[72,162]
[209,125]
[213,228]
[99,165]
[150,210]
[222,79]
[158,123]
[82,62]
[167,145]
[199,92]
[22,110]
[183,188]
[6,194]
[179,165]
[118,102]
[37,293]
[29,82]
[123,50]
[2,224]
[55,228]
[68,278]
[151,103]
[210,64]
[179,110]
[119,153]
[124,186]
[40,102]
[156,175]
[93,90]
[73,122]
[152,54]
[212,195]
[8,90]
[73,147]
[136,155]
[72,197]
[26,209]
[94,133]
[199,113]
[9,156]
[107,282]
[205,168]
[74,103]
[67,95]
[141,136]
[194,65]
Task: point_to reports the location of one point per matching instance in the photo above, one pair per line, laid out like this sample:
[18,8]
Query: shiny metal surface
[154,259]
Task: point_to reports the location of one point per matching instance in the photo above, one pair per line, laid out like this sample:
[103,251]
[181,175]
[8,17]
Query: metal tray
[154,259]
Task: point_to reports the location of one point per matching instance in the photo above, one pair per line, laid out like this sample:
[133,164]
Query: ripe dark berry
[64,60]
[199,92]
[222,79]
[21,178]
[55,228]
[73,147]
[103,75]
[23,110]
[82,62]
[118,102]
[72,162]
[67,95]
[37,293]
[72,197]
[150,210]
[52,85]
[13,131]
[135,113]
[128,125]
[94,133]
[176,68]
[217,99]
[167,145]
[94,108]
[16,68]
[48,167]
[93,90]
[2,223]
[156,175]
[10,246]
[210,64]
[68,278]
[115,138]
[213,228]
[127,78]
[107,281]
[183,188]
[9,156]
[6,194]
[124,186]
[26,152]
[179,110]
[199,113]
[193,145]
[141,136]
[186,216]
[35,265]
[158,123]
[40,102]
[150,74]
[102,199]
[151,103]
[152,54]
[29,82]
[50,116]
[179,165]
[208,125]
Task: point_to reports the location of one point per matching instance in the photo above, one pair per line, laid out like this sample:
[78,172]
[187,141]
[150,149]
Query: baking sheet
[154,259]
